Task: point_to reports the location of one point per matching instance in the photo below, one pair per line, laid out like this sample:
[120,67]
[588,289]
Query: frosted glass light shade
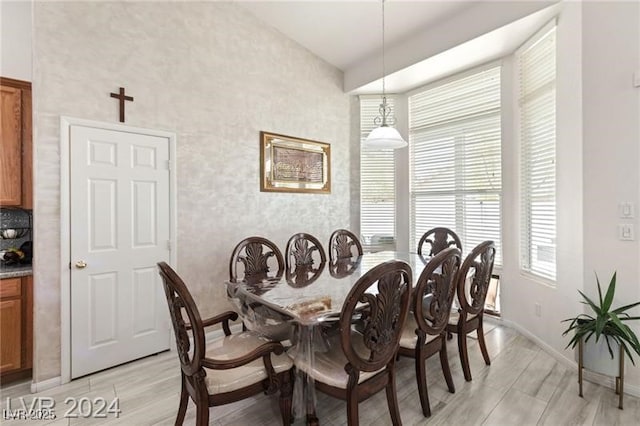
[384,137]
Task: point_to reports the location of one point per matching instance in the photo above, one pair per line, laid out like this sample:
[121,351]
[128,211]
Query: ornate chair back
[303,250]
[435,290]
[259,258]
[437,239]
[383,317]
[342,244]
[183,311]
[474,278]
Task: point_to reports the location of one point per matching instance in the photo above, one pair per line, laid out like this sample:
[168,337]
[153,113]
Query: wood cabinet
[15,144]
[16,327]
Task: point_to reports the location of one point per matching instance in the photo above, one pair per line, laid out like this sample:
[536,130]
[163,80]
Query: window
[455,159]
[536,62]
[377,185]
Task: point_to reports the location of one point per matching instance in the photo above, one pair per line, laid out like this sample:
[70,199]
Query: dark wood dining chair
[472,285]
[260,259]
[437,239]
[253,260]
[303,250]
[343,244]
[424,332]
[226,370]
[360,360]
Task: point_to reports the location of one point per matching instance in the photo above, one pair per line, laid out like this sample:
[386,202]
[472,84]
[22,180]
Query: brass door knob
[80,264]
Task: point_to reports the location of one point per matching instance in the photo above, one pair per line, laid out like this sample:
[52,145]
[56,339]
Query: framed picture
[290,164]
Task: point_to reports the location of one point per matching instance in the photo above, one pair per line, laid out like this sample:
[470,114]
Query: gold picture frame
[290,164]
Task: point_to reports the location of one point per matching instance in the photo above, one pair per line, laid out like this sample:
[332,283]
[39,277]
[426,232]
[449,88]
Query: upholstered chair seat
[236,346]
[409,338]
[328,367]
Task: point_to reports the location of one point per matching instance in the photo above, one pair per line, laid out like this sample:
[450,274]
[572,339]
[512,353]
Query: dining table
[300,307]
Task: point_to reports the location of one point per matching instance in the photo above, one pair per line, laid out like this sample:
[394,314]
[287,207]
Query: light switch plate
[626,210]
[626,232]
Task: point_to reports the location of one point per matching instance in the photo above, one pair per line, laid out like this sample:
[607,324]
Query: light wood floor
[523,386]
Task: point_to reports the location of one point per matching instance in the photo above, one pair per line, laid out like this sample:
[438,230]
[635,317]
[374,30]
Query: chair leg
[446,370]
[483,345]
[202,414]
[312,418]
[286,391]
[421,376]
[392,399]
[182,407]
[464,355]
[352,408]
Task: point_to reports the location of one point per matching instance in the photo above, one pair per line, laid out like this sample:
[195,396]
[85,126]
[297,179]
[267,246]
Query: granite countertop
[14,271]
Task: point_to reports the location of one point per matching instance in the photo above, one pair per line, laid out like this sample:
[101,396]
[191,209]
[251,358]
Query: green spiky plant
[604,321]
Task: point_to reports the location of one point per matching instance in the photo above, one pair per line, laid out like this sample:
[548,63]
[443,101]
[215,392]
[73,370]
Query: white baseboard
[45,384]
[591,376]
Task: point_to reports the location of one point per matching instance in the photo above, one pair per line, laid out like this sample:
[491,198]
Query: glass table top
[317,294]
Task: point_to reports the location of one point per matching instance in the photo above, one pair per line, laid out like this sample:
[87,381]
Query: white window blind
[455,159]
[537,102]
[377,185]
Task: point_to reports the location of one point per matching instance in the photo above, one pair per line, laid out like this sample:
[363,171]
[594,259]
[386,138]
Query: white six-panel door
[120,229]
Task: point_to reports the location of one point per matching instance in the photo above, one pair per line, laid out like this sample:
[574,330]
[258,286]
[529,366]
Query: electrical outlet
[538,309]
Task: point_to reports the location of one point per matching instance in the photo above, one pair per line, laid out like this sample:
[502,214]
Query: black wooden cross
[121,96]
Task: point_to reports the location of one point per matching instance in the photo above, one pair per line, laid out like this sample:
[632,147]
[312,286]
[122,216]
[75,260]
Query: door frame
[65,215]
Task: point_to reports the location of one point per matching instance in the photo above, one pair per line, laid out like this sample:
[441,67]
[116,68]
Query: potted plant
[607,323]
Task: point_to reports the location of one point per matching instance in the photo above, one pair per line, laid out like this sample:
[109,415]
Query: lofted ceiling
[348,35]
[345,32]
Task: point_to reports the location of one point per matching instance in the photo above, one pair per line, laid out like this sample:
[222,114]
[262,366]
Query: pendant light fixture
[384,136]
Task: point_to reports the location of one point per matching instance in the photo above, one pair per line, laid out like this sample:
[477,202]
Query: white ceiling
[345,32]
[348,35]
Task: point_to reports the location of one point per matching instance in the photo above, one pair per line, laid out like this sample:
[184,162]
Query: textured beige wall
[216,76]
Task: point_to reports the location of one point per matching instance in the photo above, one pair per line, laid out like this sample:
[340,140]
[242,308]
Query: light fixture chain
[383,64]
